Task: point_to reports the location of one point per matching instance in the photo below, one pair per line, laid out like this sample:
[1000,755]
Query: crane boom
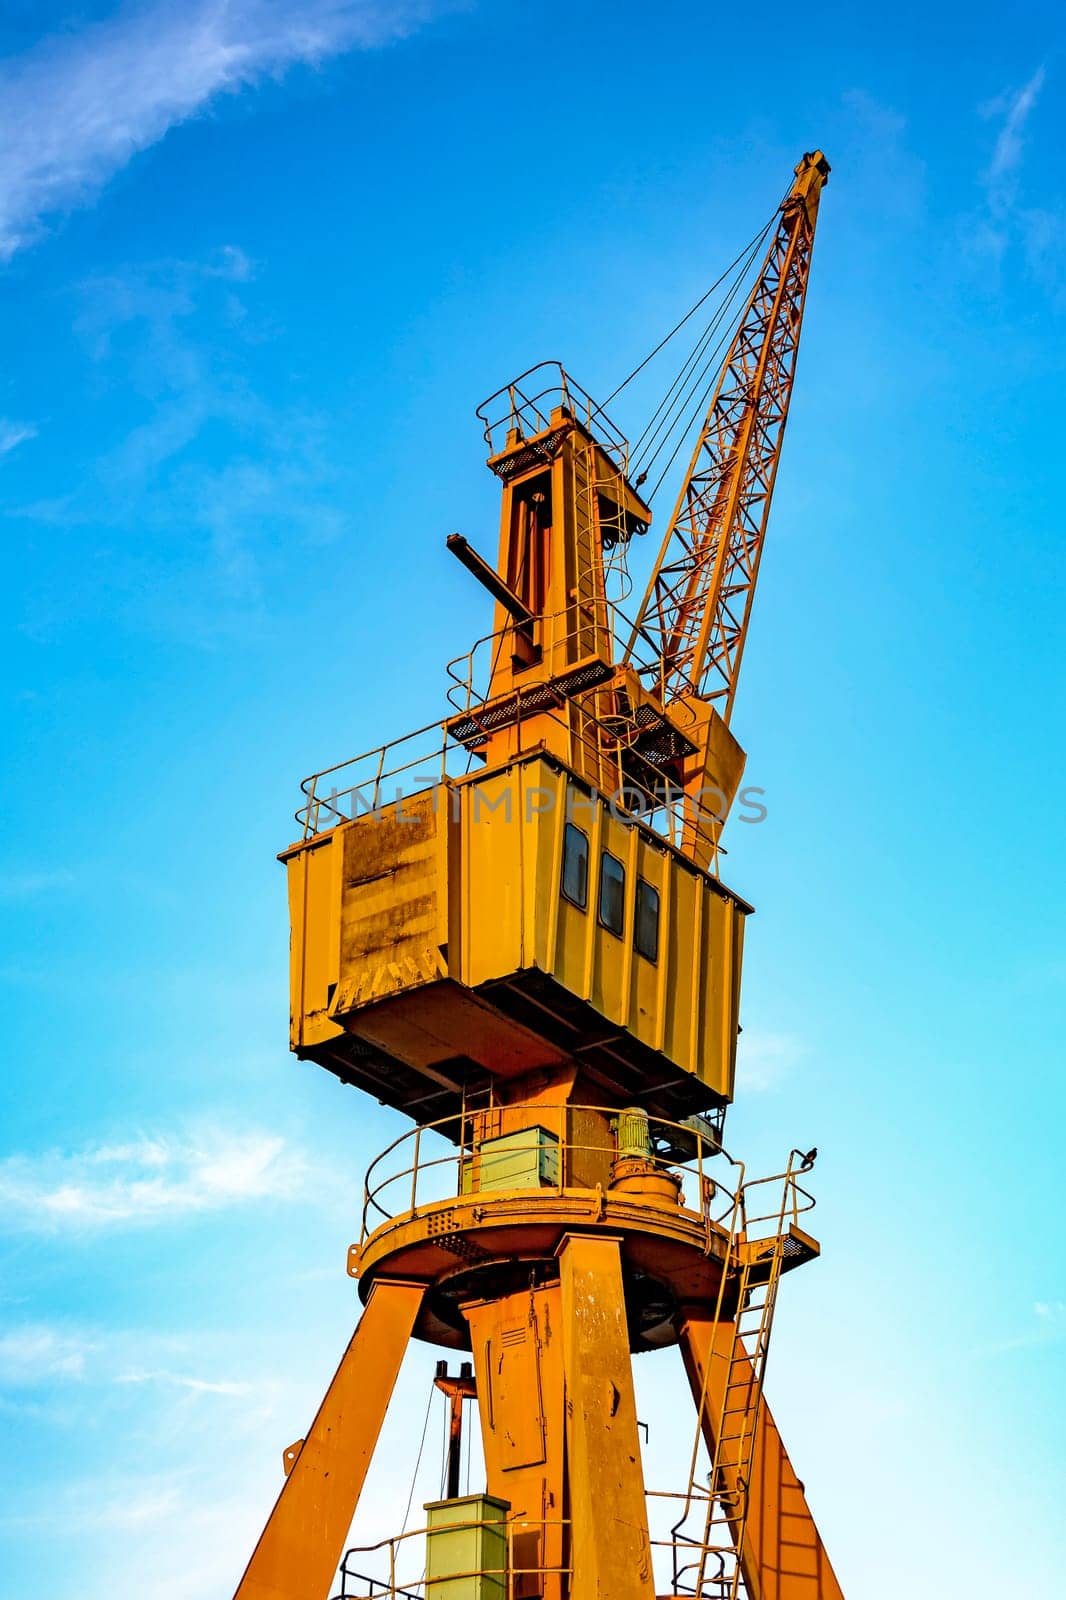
[694,614]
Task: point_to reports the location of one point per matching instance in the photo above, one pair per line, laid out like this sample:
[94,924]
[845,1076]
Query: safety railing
[378,781]
[437,1162]
[523,408]
[382,778]
[400,1567]
[691,1565]
[595,628]
[706,1558]
[396,1567]
[695,1534]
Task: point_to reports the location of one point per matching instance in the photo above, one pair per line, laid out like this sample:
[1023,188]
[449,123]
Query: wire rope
[688,314]
[418,1463]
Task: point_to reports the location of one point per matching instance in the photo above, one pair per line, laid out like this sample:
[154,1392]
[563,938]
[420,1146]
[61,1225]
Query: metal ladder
[751,1280]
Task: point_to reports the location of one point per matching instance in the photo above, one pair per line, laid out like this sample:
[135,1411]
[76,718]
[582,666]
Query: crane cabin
[535,892]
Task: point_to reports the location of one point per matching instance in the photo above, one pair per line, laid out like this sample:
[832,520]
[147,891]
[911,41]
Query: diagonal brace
[300,1547]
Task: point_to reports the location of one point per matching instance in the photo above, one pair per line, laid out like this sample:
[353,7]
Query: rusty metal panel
[464,883]
[394,901]
[590,1149]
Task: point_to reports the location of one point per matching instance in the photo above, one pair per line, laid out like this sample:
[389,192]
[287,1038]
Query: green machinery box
[466,1548]
[526,1159]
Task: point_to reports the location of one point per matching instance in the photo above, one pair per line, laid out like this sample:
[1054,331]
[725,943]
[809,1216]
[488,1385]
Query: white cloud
[878,141]
[174,336]
[88,1509]
[77,107]
[147,1181]
[127,1525]
[52,1356]
[36,1353]
[1007,153]
[1003,219]
[223,1386]
[764,1059]
[14,433]
[138,1508]
[1046,1326]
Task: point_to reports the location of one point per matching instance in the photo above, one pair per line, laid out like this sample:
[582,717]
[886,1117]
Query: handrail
[392,1589]
[721,1206]
[665,812]
[552,638]
[704,1560]
[530,414]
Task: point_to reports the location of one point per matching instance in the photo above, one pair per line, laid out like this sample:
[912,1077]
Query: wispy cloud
[78,106]
[1047,1326]
[124,1524]
[194,534]
[38,1353]
[879,142]
[66,1368]
[1003,218]
[177,1380]
[764,1059]
[1012,110]
[145,1181]
[13,434]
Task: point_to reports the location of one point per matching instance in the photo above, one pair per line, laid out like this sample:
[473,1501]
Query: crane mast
[510,928]
[695,611]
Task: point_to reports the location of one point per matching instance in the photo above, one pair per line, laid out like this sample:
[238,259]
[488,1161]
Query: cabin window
[612,893]
[576,866]
[646,921]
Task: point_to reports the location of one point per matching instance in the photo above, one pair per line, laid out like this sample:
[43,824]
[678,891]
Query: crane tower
[510,926]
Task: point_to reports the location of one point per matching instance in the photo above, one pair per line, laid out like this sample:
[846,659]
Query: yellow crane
[511,927]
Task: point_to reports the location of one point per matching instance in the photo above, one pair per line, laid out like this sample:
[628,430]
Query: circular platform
[480,1246]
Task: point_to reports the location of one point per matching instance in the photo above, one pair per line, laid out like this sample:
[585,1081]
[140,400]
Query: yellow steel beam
[609,1521]
[782,1555]
[300,1547]
[696,608]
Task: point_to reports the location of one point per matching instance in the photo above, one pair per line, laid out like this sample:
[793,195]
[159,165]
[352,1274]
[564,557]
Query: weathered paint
[461,897]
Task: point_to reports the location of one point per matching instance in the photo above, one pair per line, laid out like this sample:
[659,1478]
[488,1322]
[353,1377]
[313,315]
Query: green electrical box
[466,1548]
[528,1159]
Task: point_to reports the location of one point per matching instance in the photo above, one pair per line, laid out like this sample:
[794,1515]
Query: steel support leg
[782,1556]
[303,1541]
[610,1549]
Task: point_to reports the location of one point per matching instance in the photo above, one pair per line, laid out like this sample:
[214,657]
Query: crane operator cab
[555,911]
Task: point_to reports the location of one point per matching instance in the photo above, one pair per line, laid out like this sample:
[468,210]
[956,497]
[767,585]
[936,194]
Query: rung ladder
[744,1317]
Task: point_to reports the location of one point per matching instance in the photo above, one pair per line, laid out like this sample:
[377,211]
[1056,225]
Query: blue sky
[259,263]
